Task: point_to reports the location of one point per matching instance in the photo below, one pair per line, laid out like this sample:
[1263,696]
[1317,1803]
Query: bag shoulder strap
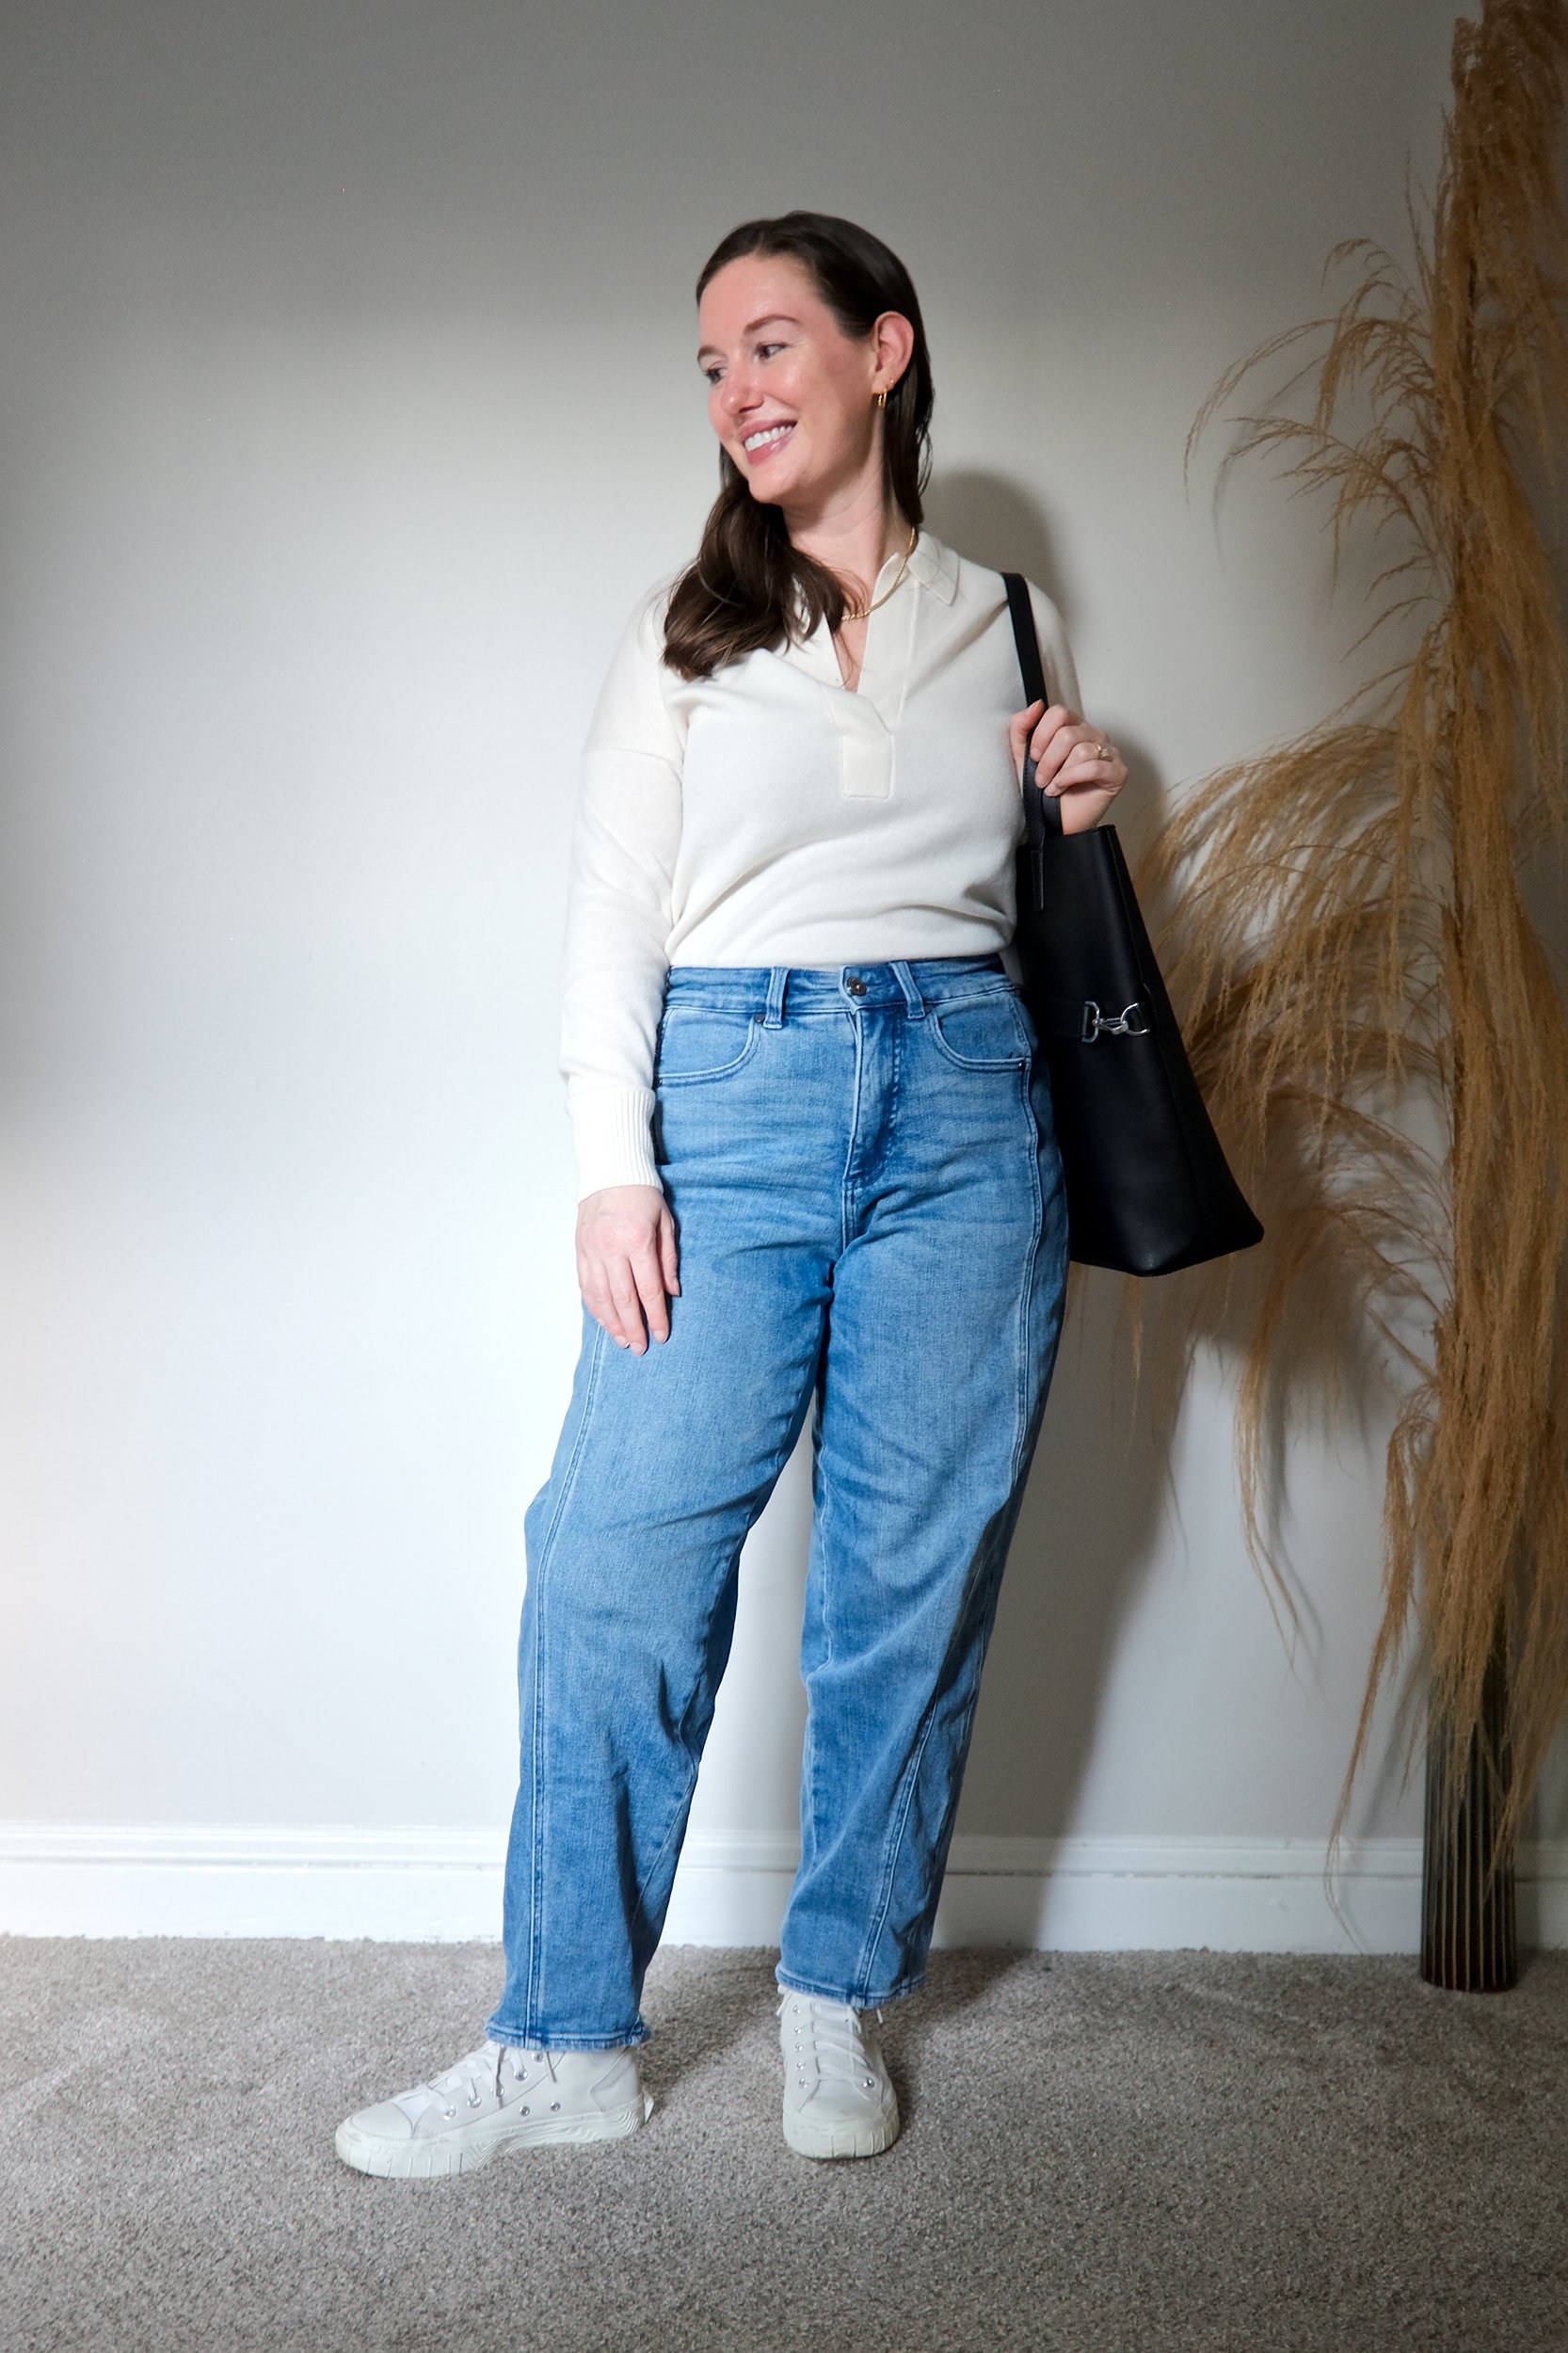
[1042,814]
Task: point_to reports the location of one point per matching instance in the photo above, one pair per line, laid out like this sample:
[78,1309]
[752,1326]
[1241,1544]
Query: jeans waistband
[768,991]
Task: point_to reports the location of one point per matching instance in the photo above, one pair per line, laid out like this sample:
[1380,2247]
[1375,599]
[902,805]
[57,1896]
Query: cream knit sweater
[769,815]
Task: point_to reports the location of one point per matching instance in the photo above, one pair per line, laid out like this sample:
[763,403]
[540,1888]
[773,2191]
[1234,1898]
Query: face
[791,395]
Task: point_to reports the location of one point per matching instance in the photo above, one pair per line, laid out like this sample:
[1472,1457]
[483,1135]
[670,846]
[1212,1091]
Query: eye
[711,375]
[763,349]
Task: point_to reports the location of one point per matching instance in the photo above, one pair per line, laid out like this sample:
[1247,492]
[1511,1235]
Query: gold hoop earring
[882,399]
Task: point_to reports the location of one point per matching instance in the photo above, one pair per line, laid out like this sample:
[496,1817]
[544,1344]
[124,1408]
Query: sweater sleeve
[1056,655]
[625,838]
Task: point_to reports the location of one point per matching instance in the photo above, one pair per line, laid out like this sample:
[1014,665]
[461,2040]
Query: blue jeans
[869,1201]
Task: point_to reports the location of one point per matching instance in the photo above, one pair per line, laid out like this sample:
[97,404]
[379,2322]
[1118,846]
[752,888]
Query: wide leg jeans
[871,1223]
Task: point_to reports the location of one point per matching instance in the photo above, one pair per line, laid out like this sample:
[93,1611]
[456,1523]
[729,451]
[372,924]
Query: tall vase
[1469,1942]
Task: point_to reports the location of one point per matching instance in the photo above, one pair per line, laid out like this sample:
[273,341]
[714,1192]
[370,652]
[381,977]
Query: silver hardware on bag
[1097,1024]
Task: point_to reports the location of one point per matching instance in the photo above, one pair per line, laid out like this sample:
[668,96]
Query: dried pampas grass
[1369,1006]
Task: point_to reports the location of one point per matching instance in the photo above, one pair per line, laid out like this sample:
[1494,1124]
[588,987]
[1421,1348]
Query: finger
[1087,763]
[1075,759]
[650,1292]
[669,1254]
[1047,747]
[623,1290]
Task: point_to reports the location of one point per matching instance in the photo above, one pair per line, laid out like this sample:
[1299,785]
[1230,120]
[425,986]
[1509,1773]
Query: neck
[854,536]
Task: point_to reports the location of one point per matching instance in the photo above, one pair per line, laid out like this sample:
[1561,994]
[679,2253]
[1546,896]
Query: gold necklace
[864,612]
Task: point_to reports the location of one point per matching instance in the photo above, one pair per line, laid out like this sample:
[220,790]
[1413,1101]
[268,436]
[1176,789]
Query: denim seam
[719,1070]
[1030,1258]
[845,1219]
[514,2041]
[900,1817]
[809,1757]
[901,1049]
[679,1816]
[948,1001]
[809,1780]
[982,1069]
[854,2000]
[541,1709]
[963,1062]
[821,1505]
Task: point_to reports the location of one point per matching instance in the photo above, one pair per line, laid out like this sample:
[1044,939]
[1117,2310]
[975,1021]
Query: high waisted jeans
[869,1203]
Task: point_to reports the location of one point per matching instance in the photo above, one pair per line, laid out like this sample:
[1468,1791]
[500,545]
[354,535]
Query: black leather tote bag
[1148,1187]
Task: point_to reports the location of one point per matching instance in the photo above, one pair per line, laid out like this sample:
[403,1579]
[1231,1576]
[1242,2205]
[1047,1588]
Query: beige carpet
[1107,2154]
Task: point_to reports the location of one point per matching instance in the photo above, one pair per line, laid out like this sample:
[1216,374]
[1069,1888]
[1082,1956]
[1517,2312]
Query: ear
[893,346]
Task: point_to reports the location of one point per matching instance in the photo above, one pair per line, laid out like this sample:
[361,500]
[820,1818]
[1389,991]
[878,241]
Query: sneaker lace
[471,2081]
[829,2041]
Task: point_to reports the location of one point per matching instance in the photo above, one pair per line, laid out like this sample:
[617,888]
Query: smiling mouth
[760,445]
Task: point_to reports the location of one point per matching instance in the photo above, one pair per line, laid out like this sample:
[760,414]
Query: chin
[768,487]
[771,489]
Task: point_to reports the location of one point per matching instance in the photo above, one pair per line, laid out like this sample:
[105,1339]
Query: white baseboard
[1062,1895]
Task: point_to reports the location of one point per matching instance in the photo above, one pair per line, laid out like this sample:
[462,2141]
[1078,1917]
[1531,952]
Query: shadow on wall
[996,522]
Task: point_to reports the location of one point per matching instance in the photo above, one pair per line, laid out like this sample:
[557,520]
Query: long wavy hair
[748,585]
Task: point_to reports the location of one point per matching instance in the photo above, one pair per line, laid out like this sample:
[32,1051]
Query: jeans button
[857,987]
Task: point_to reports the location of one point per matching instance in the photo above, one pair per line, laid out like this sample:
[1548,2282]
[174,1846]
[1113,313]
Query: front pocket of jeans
[983,1032]
[697,1044]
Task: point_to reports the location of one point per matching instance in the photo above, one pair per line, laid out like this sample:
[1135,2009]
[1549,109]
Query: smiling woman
[818,1174]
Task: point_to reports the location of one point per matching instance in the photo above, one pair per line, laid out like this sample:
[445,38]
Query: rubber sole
[843,2140]
[438,2159]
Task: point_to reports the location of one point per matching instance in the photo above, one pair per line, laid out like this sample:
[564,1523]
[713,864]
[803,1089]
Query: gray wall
[348,393]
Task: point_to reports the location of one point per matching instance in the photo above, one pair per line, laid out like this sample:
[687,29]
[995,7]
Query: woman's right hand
[626,1262]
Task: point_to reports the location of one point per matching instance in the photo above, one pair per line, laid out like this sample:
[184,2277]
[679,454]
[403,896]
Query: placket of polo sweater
[865,749]
[864,719]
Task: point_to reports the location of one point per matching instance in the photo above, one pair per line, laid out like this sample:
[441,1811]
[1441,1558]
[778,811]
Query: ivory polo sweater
[769,815]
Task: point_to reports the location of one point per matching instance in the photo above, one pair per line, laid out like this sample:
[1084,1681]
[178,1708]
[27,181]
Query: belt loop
[914,1003]
[778,976]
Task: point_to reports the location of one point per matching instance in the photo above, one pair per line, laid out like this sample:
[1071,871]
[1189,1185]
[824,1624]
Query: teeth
[773,433]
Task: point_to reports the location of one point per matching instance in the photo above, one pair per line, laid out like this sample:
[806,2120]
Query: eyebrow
[769,319]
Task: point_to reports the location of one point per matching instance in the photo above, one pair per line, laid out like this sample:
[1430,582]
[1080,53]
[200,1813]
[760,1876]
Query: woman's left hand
[1076,764]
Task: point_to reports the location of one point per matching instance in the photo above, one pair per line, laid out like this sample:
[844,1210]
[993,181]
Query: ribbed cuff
[611,1132]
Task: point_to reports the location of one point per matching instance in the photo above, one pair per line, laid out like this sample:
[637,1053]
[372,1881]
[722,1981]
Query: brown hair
[750,584]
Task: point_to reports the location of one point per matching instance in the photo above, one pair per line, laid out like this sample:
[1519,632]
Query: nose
[737,394]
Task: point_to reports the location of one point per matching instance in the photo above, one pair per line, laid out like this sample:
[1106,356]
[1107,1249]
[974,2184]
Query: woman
[816,1165]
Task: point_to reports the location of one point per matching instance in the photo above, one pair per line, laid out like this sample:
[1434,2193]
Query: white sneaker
[497,2099]
[839,2101]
